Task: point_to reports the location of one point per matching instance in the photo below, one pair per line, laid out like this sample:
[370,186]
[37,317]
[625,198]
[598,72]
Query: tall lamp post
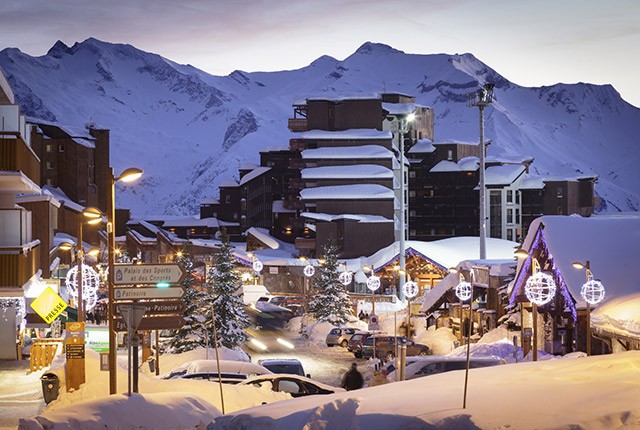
[130,174]
[464,291]
[540,289]
[481,99]
[402,129]
[592,292]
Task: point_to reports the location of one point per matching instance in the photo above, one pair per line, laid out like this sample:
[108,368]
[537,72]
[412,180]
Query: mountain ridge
[190,130]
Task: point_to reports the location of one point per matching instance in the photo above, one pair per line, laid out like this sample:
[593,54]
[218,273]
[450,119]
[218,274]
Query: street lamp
[540,289]
[128,175]
[464,291]
[592,292]
[481,99]
[401,130]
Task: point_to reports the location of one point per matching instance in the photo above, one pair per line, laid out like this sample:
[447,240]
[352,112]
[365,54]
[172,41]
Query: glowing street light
[128,175]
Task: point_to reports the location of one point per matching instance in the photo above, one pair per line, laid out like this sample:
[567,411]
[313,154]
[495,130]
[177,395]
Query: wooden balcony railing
[16,155]
[18,266]
[298,124]
[305,244]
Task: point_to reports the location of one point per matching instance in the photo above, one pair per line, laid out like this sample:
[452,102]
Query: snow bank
[155,411]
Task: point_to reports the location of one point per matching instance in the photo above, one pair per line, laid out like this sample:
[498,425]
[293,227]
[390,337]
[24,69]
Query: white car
[295,385]
[433,364]
[231,372]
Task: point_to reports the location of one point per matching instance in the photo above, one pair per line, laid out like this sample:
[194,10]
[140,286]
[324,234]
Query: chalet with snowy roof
[608,243]
[444,197]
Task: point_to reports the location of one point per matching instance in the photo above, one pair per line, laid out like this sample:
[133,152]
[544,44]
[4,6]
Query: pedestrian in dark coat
[352,380]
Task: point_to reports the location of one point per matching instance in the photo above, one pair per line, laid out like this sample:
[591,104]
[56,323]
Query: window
[227,199]
[49,148]
[412,213]
[412,233]
[450,154]
[518,197]
[560,192]
[560,211]
[412,193]
[61,148]
[510,234]
[50,165]
[412,174]
[509,216]
[509,196]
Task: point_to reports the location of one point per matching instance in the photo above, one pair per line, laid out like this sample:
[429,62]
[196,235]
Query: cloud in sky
[533,43]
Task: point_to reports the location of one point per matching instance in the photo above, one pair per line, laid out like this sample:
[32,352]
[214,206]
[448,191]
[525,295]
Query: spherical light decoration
[410,289]
[258,266]
[345,278]
[90,285]
[592,292]
[540,288]
[463,290]
[373,283]
[309,270]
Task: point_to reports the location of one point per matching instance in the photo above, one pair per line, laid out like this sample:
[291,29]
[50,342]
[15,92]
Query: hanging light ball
[463,290]
[540,288]
[345,278]
[410,289]
[309,270]
[258,266]
[90,285]
[592,291]
[373,282]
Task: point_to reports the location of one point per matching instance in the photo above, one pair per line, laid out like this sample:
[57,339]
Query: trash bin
[50,387]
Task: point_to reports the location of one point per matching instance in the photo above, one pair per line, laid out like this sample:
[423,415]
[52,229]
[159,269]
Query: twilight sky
[530,43]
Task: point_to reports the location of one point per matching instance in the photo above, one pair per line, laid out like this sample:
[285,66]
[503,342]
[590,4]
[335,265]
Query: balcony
[18,265]
[298,124]
[15,228]
[15,147]
[303,244]
[11,122]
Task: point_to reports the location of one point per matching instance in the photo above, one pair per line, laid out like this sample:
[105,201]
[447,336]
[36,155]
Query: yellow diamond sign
[48,305]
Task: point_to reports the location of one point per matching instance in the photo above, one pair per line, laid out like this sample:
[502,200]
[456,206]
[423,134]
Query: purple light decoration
[539,241]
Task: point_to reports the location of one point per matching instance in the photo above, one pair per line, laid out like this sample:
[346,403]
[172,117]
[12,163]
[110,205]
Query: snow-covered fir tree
[331,302]
[224,296]
[192,334]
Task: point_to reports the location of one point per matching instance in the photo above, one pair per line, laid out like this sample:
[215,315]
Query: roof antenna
[90,124]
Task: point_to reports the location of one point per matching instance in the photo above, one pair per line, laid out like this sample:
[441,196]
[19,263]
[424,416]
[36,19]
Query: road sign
[160,322]
[49,305]
[141,293]
[162,307]
[132,315]
[127,274]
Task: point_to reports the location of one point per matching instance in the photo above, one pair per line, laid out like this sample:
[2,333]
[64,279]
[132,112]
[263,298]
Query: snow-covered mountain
[190,130]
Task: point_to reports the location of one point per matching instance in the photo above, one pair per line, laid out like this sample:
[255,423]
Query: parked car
[231,371]
[340,336]
[386,347]
[355,342]
[443,363]
[283,365]
[295,385]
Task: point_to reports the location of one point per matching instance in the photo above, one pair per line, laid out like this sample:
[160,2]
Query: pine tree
[224,290]
[192,334]
[331,303]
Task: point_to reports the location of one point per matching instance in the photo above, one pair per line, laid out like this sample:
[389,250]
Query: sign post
[74,350]
[130,274]
[132,316]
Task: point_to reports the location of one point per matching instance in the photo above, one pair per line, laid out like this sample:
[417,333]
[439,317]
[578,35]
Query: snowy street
[20,394]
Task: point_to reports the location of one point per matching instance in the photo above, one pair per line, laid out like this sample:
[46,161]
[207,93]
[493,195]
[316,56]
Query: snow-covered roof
[71,131]
[247,166]
[508,159]
[467,164]
[619,316]
[348,152]
[229,183]
[351,171]
[62,197]
[459,142]
[357,217]
[342,192]
[254,174]
[401,108]
[338,97]
[263,236]
[445,253]
[611,243]
[210,201]
[531,182]
[352,134]
[422,146]
[505,174]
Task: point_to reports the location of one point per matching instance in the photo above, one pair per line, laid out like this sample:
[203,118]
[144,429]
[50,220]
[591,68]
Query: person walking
[352,379]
